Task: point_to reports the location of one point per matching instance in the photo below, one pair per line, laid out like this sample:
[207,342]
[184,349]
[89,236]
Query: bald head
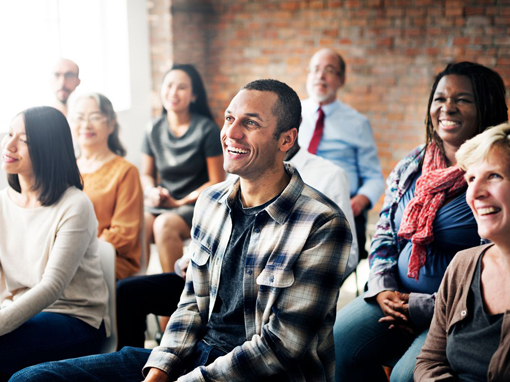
[65,79]
[326,76]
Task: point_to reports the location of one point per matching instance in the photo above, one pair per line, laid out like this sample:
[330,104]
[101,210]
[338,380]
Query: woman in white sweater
[53,297]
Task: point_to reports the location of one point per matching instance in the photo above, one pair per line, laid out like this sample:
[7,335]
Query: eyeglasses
[327,71]
[93,120]
[66,75]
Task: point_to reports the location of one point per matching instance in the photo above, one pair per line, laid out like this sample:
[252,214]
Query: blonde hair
[477,149]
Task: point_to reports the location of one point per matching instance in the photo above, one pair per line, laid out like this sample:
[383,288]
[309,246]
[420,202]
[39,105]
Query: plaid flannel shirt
[297,254]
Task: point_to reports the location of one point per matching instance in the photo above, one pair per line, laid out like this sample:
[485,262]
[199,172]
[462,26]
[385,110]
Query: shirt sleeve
[71,242]
[372,180]
[126,223]
[212,140]
[383,249]
[421,308]
[297,316]
[146,144]
[340,194]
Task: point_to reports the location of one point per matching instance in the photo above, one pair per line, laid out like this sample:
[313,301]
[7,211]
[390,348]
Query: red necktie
[317,133]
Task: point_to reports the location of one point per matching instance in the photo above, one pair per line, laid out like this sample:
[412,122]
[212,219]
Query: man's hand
[156,375]
[359,203]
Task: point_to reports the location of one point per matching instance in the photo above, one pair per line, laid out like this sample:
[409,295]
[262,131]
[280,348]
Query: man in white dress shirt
[341,134]
[332,181]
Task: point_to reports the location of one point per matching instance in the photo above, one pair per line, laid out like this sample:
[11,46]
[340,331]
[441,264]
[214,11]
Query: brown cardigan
[451,307]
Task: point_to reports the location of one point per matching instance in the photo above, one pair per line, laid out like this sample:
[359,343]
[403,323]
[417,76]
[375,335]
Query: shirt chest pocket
[276,278]
[200,254]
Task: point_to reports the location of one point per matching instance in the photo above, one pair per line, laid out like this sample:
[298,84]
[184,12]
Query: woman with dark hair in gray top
[181,157]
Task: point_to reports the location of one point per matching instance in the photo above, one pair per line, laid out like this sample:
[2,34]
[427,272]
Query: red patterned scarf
[436,183]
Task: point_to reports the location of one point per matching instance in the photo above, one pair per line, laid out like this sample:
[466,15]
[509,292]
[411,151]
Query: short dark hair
[51,151]
[106,107]
[489,93]
[200,105]
[341,63]
[287,109]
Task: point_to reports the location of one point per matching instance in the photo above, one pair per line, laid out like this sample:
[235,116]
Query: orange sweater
[116,193]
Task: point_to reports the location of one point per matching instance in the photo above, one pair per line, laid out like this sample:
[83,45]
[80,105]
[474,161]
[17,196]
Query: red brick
[461,40]
[503,61]
[471,11]
[317,4]
[387,42]
[454,11]
[393,49]
[394,12]
[330,32]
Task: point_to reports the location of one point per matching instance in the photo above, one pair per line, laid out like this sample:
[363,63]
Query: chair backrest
[107,255]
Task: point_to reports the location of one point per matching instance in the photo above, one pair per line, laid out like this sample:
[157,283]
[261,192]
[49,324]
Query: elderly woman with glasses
[110,181]
[469,338]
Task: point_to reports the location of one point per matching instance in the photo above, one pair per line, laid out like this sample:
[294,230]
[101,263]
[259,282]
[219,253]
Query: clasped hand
[160,197]
[395,306]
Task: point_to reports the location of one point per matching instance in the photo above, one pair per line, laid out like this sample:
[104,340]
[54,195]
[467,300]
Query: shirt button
[463,313]
[271,279]
[249,271]
[257,230]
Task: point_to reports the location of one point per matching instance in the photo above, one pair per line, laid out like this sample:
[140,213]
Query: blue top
[348,142]
[454,230]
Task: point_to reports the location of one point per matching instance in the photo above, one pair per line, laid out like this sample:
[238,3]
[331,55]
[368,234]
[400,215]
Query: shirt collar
[280,209]
[327,109]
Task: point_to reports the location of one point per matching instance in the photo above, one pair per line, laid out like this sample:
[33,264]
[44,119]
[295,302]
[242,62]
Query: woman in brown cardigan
[110,181]
[469,338]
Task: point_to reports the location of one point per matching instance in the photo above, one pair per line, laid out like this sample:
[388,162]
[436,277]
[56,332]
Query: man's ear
[342,81]
[287,139]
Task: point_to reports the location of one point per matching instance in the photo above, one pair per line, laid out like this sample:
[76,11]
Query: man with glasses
[65,79]
[341,134]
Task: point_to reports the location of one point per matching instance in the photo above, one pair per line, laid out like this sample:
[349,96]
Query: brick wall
[393,49]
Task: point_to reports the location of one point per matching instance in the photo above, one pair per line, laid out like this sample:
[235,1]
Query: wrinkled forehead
[324,59]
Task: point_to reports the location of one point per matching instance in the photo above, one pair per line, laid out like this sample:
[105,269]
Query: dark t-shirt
[473,341]
[225,329]
[182,161]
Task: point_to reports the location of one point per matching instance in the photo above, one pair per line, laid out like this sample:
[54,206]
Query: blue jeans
[47,337]
[363,345]
[123,366]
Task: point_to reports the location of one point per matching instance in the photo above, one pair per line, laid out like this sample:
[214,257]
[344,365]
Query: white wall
[134,121]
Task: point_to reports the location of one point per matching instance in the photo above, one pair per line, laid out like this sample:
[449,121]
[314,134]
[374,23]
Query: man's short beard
[317,98]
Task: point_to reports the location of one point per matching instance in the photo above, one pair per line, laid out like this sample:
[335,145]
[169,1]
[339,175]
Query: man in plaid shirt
[267,257]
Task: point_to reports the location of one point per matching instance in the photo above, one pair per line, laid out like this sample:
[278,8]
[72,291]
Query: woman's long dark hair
[489,92]
[200,105]
[51,151]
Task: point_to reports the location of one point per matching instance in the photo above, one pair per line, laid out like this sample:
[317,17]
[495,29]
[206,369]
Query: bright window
[34,34]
